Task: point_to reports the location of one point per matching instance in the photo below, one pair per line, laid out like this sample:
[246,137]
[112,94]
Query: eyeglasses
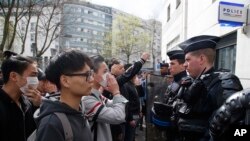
[87,74]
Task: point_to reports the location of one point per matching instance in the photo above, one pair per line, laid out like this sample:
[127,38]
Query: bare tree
[47,25]
[18,15]
[6,12]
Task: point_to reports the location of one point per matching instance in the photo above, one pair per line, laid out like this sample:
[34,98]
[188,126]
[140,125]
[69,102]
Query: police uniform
[164,111]
[204,95]
[175,85]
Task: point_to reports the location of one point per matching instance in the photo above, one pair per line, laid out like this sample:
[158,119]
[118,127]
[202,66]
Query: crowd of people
[67,102]
[81,97]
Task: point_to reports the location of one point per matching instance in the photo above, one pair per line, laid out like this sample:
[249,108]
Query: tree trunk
[14,27]
[128,58]
[6,26]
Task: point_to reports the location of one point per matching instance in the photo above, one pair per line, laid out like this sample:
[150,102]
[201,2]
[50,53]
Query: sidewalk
[140,135]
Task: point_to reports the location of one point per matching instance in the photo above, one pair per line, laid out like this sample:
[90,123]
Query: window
[90,12]
[53,51]
[79,10]
[32,26]
[168,14]
[32,37]
[225,59]
[95,13]
[178,2]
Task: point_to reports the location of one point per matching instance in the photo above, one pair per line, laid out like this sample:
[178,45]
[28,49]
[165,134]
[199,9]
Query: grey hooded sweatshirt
[50,127]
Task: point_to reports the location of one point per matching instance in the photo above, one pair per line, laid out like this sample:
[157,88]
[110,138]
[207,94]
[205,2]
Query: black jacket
[133,106]
[15,124]
[50,127]
[125,77]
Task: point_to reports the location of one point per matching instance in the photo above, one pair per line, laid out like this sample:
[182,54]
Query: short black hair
[15,63]
[65,63]
[97,60]
[113,61]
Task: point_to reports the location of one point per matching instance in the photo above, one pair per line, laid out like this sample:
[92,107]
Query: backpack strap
[32,136]
[66,126]
[94,126]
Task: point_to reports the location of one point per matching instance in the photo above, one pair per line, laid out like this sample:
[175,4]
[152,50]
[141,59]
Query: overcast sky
[145,9]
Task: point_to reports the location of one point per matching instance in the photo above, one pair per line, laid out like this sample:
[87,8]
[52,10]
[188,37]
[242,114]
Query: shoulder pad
[230,112]
[230,81]
[226,75]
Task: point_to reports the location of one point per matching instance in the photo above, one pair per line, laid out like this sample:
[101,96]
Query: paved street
[140,135]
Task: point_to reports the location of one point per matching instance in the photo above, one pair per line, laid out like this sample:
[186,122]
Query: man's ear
[202,59]
[13,76]
[65,81]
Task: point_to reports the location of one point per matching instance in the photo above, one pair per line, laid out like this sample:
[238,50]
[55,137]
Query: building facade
[183,19]
[84,26]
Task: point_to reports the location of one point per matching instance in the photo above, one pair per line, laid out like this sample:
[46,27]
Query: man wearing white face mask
[101,111]
[16,111]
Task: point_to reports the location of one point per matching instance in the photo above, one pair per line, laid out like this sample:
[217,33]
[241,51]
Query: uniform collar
[180,75]
[208,73]
[211,70]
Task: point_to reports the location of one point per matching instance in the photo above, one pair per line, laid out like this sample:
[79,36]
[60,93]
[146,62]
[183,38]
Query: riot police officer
[164,111]
[208,90]
[177,70]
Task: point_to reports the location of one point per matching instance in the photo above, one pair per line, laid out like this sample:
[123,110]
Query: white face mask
[104,81]
[31,81]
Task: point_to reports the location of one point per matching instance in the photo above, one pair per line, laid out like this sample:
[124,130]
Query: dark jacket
[172,90]
[15,124]
[134,102]
[121,80]
[50,127]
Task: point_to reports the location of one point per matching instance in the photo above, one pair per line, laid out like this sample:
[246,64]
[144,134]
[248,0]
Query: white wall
[242,67]
[172,28]
[201,22]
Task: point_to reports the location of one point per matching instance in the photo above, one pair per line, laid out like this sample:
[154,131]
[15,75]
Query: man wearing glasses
[70,72]
[101,111]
